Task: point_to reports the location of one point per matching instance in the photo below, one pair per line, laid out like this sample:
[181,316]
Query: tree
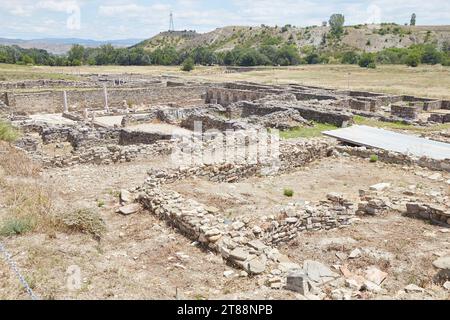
[430,54]
[337,24]
[413,20]
[367,60]
[76,54]
[188,65]
[413,59]
[349,57]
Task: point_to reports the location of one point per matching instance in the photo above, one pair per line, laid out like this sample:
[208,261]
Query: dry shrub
[16,163]
[86,221]
[29,207]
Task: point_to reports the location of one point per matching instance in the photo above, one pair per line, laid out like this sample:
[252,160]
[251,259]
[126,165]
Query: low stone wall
[397,158]
[298,217]
[78,100]
[359,105]
[337,118]
[445,105]
[104,155]
[432,105]
[208,122]
[405,111]
[433,213]
[225,96]
[240,242]
[31,84]
[439,117]
[130,137]
[292,154]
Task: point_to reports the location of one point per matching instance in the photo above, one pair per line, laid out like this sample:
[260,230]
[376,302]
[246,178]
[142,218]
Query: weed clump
[373,158]
[86,221]
[288,192]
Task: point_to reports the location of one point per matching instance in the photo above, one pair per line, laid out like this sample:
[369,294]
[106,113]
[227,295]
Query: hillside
[369,38]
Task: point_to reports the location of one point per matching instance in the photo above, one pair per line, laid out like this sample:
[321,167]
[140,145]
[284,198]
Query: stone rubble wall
[439,117]
[132,137]
[241,243]
[430,212]
[109,154]
[298,217]
[292,154]
[396,157]
[225,96]
[405,111]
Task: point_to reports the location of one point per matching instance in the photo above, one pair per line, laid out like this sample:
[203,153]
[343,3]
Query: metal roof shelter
[392,141]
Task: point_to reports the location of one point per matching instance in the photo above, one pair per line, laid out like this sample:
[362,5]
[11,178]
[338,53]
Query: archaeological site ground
[225,183]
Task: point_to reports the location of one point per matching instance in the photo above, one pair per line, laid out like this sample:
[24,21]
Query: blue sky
[119,19]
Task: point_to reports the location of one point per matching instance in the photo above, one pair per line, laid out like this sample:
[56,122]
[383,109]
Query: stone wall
[397,158]
[325,115]
[405,111]
[439,117]
[107,154]
[131,137]
[433,213]
[78,100]
[298,217]
[225,96]
[244,243]
[292,154]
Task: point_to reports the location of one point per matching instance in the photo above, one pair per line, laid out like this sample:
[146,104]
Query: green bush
[7,132]
[288,192]
[188,65]
[350,57]
[373,158]
[367,60]
[15,226]
[413,59]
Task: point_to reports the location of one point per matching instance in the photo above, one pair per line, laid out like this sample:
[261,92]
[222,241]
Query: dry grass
[84,220]
[425,80]
[29,207]
[15,162]
[29,204]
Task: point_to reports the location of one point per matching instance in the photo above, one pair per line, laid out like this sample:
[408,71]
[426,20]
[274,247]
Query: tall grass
[7,132]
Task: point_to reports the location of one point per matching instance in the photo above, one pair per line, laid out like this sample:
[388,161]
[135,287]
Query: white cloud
[61,6]
[132,10]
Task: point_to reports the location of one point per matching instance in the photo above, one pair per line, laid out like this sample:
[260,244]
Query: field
[426,81]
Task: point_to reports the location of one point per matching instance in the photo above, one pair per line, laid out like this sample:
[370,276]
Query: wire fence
[15,269]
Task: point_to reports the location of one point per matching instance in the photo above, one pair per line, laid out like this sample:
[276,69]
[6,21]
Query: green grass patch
[373,158]
[288,192]
[7,132]
[307,132]
[15,226]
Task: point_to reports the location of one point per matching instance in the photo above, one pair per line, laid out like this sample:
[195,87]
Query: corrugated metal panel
[392,141]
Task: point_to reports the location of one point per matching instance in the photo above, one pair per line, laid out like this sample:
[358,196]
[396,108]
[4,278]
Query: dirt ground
[140,257]
[346,175]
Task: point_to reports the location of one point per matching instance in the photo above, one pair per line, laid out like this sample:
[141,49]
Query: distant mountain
[62,45]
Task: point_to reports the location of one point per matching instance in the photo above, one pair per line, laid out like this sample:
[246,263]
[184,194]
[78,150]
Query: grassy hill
[370,38]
